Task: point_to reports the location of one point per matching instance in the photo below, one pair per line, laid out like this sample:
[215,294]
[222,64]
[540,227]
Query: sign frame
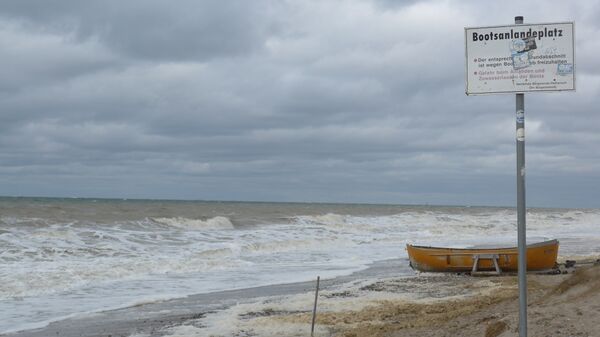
[520,28]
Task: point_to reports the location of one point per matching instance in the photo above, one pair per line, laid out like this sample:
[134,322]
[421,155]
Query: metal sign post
[517,59]
[521,215]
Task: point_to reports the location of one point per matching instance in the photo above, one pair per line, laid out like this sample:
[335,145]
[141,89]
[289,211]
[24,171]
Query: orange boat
[540,256]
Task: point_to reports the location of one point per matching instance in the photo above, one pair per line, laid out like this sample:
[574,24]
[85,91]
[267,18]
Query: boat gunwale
[533,245]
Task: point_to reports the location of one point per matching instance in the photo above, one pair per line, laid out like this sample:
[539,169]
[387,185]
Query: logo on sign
[564,69]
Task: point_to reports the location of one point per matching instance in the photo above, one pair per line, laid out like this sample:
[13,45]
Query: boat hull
[540,256]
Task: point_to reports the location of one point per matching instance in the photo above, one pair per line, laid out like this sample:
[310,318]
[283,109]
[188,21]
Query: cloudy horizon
[309,101]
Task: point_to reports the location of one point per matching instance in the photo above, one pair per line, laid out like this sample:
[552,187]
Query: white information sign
[520,58]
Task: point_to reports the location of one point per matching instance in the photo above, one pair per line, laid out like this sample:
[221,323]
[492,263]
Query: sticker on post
[521,134]
[520,117]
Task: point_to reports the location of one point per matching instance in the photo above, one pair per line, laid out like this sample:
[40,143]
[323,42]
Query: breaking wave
[216,223]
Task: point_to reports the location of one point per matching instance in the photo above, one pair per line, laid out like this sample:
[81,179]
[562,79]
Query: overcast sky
[321,101]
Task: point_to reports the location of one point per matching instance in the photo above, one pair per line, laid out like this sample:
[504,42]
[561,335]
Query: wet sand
[374,302]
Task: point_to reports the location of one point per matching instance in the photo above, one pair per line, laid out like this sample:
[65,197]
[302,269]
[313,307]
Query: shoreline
[386,299]
[151,318]
[559,304]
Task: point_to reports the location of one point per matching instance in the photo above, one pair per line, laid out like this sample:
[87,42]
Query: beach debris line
[314,315]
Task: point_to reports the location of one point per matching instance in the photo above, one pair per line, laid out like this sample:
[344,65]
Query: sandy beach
[433,305]
[559,305]
[565,304]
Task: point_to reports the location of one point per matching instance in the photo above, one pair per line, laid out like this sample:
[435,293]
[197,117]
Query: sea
[63,258]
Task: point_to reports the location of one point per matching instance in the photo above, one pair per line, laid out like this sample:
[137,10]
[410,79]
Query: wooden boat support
[540,256]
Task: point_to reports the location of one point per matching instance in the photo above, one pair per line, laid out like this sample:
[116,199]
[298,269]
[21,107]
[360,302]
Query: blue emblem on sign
[564,69]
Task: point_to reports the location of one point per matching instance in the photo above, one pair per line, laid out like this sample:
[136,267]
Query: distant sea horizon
[366,203]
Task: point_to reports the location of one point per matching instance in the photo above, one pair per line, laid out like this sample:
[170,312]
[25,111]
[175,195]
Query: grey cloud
[395,4]
[160,30]
[32,59]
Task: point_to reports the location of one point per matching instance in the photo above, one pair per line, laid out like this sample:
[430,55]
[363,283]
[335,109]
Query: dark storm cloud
[280,100]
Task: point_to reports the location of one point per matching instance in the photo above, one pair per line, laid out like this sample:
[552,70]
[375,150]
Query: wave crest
[216,223]
[329,219]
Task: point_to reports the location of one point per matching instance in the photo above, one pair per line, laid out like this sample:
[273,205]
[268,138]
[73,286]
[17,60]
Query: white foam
[267,316]
[216,223]
[238,320]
